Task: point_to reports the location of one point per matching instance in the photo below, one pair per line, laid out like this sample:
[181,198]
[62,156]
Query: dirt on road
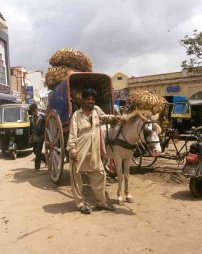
[38,217]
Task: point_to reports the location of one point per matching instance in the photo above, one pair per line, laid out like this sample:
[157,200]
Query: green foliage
[193,45]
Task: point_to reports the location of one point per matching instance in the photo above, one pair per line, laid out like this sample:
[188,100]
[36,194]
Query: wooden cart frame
[60,110]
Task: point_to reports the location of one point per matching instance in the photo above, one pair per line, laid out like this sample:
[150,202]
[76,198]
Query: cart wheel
[13,155]
[195,187]
[110,168]
[148,161]
[141,161]
[137,160]
[54,146]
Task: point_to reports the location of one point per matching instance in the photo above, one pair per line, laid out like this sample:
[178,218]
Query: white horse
[122,139]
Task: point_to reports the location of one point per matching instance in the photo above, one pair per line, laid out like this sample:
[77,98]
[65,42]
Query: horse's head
[149,135]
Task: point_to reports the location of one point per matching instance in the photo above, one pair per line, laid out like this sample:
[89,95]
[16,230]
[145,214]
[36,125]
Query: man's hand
[74,155]
[120,118]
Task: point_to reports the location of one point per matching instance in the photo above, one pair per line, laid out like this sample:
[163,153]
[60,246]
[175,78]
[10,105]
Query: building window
[2,72]
[119,78]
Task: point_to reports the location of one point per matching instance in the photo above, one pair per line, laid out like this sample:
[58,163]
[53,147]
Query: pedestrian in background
[37,134]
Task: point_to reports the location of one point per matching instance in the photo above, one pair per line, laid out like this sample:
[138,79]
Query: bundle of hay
[76,96]
[64,62]
[144,100]
[72,58]
[55,75]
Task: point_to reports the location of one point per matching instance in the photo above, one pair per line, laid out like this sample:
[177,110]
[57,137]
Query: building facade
[4,57]
[19,83]
[168,84]
[120,85]
[40,92]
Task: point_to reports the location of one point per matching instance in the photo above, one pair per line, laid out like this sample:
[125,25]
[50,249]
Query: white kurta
[84,138]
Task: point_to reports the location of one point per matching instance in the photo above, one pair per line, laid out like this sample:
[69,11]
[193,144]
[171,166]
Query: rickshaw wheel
[54,146]
[195,187]
[13,155]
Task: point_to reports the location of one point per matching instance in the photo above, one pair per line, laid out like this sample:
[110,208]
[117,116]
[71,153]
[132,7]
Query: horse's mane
[134,115]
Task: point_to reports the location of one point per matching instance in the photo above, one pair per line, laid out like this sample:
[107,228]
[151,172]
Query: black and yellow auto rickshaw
[185,115]
[14,128]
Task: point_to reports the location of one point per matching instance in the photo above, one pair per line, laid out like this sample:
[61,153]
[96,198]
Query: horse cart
[63,100]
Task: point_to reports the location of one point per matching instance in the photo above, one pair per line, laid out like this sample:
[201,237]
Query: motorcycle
[193,164]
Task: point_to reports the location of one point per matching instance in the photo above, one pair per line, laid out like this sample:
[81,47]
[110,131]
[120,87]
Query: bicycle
[142,157]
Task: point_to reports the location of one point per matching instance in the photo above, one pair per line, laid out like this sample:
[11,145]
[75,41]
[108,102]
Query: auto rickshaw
[185,115]
[14,128]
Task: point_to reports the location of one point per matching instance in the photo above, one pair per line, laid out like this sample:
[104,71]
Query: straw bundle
[66,61]
[71,58]
[76,96]
[144,100]
[55,75]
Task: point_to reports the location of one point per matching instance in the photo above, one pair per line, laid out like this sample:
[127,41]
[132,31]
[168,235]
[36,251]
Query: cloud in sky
[136,37]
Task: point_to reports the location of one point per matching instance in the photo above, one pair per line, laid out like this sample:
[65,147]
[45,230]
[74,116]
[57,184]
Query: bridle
[145,145]
[124,143]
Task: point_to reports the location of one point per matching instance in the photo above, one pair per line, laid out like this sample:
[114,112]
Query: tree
[193,45]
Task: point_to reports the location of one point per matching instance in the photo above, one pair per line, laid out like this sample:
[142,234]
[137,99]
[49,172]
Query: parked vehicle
[187,114]
[143,159]
[193,165]
[7,98]
[14,128]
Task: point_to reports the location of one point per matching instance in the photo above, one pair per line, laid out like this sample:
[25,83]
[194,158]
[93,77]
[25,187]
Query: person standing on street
[37,134]
[84,146]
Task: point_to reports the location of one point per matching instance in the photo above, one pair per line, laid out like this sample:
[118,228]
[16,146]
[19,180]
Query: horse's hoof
[130,199]
[120,202]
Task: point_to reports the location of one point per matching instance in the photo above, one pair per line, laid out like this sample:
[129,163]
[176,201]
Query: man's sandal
[85,209]
[106,207]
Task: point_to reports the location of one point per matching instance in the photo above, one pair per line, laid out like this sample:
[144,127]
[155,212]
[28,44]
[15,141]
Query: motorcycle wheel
[195,187]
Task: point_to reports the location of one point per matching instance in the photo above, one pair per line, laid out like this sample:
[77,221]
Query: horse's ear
[155,117]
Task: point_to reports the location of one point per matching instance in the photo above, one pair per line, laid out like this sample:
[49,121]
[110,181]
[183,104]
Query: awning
[8,97]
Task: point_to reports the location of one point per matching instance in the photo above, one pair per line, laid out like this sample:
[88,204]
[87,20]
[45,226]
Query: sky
[137,37]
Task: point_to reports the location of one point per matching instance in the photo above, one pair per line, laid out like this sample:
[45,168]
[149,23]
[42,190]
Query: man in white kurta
[84,149]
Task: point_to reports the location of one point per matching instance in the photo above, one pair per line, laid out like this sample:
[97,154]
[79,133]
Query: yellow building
[120,85]
[167,84]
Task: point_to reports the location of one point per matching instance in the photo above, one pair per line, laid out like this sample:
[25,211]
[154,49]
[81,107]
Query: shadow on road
[20,154]
[184,195]
[42,180]
[39,179]
[62,208]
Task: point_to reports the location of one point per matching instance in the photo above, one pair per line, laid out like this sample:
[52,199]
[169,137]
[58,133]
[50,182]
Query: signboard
[173,88]
[29,94]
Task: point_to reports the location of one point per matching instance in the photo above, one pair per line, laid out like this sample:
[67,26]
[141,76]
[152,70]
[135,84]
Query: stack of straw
[64,62]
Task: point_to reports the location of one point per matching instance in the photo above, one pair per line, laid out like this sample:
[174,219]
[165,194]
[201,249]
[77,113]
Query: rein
[124,143]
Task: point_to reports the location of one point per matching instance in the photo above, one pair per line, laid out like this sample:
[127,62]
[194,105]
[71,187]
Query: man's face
[89,102]
[34,111]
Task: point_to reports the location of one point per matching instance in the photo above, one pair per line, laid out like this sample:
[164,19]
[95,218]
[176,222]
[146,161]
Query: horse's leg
[118,162]
[127,164]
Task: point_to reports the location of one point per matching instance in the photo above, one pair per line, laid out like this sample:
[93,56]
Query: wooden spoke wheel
[54,146]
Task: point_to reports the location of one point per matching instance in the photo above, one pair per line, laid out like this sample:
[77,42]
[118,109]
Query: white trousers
[97,181]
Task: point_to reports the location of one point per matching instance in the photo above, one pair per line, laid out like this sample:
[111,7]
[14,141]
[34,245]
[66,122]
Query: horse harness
[124,143]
